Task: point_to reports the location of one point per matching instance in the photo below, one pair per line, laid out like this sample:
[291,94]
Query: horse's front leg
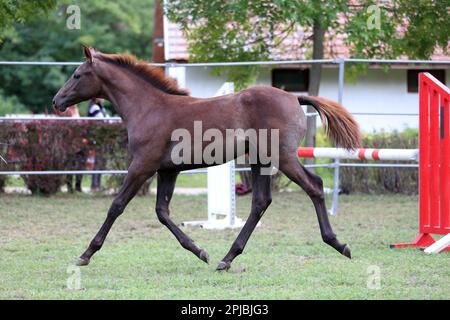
[166,185]
[137,175]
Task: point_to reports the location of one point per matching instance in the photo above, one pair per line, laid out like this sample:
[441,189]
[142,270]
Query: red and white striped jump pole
[357,154]
[360,154]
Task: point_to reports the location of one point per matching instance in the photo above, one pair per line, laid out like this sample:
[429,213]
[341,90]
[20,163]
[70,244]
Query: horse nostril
[54,102]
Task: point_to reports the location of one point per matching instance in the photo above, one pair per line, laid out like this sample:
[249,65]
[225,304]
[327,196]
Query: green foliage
[19,11]
[10,105]
[229,31]
[123,26]
[242,30]
[423,26]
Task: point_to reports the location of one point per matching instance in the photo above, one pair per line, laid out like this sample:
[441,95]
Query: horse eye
[76,76]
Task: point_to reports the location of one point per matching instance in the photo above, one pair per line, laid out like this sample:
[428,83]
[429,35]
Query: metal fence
[340,62]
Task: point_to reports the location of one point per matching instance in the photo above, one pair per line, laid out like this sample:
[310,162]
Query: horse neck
[129,93]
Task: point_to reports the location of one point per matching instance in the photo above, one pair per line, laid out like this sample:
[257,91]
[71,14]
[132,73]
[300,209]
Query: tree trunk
[314,84]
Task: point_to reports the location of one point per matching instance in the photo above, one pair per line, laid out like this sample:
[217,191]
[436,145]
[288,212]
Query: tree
[123,26]
[20,11]
[242,30]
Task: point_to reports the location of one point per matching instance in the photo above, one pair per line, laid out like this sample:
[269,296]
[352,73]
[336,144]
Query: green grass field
[284,259]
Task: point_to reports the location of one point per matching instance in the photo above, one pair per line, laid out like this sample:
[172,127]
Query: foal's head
[83,85]
[86,82]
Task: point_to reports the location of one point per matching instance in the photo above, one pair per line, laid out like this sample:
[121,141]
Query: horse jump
[434,169]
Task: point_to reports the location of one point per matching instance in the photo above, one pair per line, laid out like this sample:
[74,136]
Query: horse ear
[89,54]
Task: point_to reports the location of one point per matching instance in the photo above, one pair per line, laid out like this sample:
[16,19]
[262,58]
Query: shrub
[53,145]
[383,180]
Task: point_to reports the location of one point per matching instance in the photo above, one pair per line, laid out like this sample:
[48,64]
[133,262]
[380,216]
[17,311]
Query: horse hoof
[346,252]
[82,262]
[223,266]
[204,256]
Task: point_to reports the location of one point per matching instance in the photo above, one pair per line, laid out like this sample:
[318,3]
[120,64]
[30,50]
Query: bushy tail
[339,124]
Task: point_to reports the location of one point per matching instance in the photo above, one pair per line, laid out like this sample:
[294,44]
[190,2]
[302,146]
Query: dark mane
[142,69]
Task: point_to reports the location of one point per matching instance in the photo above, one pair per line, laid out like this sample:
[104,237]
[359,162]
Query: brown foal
[152,107]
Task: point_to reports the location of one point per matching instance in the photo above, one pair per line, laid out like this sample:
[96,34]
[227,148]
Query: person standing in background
[96,109]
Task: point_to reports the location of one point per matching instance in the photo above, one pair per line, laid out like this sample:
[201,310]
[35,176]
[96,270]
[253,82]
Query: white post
[335,201]
[179,74]
[166,34]
[221,190]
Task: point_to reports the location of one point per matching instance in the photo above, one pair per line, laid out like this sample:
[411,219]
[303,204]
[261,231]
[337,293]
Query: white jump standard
[221,191]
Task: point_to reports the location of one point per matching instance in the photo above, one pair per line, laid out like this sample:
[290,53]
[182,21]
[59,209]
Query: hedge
[384,180]
[53,145]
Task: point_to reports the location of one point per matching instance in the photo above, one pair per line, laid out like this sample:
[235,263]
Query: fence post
[335,201]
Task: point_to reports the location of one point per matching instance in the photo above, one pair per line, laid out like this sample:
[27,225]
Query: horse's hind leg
[166,185]
[313,186]
[261,199]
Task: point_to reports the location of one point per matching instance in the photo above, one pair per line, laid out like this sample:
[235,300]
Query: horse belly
[202,153]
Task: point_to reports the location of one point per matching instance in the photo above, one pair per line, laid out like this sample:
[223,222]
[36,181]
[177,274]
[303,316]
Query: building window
[413,78]
[290,79]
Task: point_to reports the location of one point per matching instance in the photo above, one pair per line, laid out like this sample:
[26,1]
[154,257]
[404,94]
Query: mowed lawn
[285,258]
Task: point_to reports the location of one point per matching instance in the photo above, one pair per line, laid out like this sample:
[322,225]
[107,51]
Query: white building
[377,91]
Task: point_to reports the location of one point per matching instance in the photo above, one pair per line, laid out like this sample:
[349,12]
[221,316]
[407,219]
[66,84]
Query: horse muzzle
[60,104]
